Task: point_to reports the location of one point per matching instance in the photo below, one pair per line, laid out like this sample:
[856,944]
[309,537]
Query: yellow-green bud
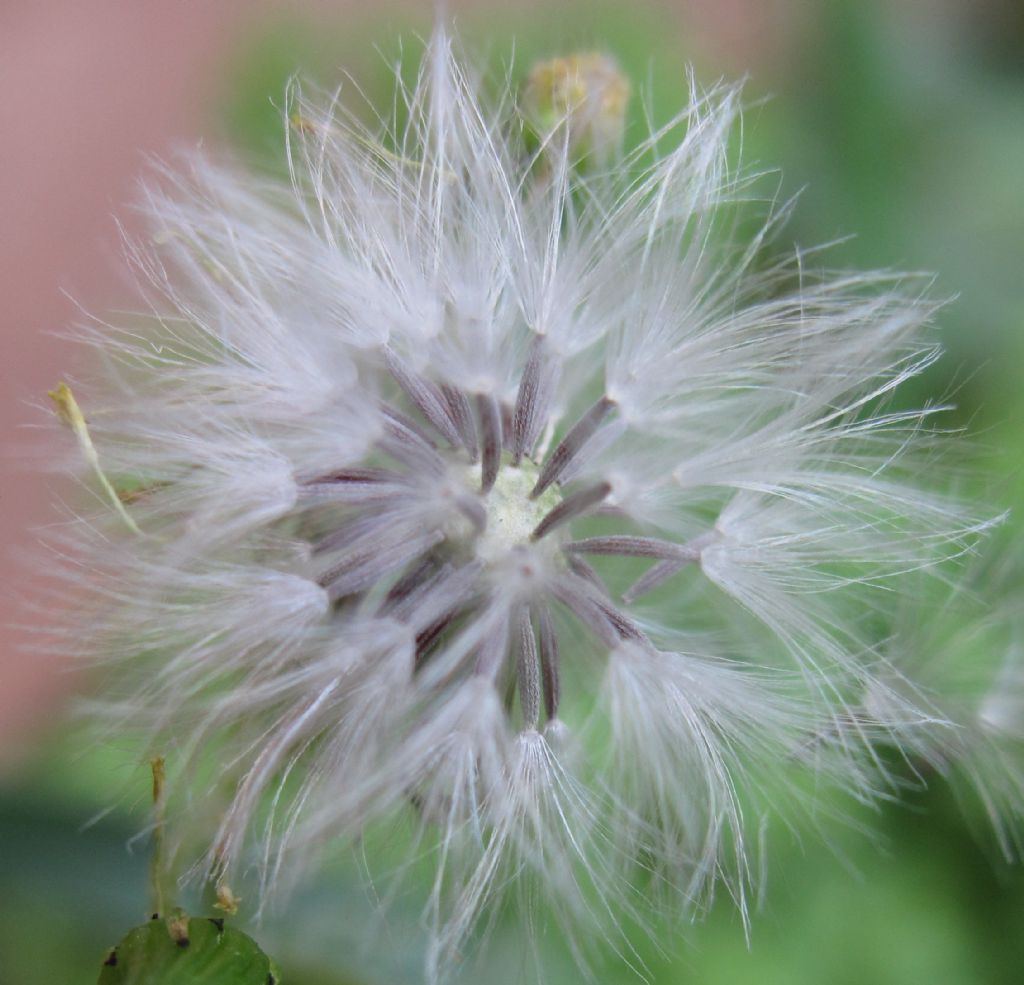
[587,93]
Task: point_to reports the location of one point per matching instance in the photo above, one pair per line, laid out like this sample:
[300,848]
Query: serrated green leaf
[183,951]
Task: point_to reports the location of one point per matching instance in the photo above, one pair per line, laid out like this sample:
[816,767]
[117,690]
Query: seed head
[532,504]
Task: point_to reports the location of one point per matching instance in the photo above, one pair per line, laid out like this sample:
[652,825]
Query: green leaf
[179,950]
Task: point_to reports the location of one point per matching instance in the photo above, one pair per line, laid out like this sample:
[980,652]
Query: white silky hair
[334,395]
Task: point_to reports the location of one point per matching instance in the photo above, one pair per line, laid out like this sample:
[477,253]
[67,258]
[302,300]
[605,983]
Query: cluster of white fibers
[518,497]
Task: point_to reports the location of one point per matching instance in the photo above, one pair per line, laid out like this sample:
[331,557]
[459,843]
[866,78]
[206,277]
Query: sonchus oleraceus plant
[494,478]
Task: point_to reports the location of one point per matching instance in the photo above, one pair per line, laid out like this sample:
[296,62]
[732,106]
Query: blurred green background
[904,123]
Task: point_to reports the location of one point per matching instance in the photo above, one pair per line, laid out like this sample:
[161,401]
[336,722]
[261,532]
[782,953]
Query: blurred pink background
[90,88]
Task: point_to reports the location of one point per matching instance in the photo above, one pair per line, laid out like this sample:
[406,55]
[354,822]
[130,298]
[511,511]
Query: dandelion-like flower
[486,476]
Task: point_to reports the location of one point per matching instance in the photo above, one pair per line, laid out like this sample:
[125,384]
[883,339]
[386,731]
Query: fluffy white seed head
[515,497]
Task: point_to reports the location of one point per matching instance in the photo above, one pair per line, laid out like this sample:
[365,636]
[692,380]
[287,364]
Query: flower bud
[585,93]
